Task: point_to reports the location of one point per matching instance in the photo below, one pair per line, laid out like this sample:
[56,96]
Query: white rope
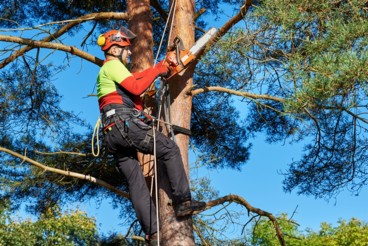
[156,182]
[173,6]
[96,133]
[172,19]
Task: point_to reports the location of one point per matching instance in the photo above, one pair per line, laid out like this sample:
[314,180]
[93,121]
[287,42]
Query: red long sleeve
[139,82]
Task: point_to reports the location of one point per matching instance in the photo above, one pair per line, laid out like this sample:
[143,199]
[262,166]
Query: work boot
[188,208]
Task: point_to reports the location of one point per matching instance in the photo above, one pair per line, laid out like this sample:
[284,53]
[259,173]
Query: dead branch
[239,200]
[203,240]
[234,92]
[66,173]
[48,45]
[64,29]
[60,153]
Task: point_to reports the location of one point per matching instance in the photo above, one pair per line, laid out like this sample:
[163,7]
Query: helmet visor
[122,35]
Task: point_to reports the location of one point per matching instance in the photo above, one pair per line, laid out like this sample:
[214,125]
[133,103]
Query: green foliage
[312,56]
[32,122]
[217,126]
[222,140]
[52,228]
[30,105]
[353,232]
[326,49]
[263,232]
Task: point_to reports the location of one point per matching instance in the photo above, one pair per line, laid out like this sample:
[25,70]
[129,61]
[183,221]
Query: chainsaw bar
[178,57]
[199,45]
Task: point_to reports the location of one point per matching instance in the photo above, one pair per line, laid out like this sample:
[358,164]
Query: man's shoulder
[112,63]
[114,70]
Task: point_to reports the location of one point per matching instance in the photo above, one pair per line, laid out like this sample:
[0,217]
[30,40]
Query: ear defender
[101,40]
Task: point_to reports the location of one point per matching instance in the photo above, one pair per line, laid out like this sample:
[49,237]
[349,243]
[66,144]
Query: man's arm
[139,82]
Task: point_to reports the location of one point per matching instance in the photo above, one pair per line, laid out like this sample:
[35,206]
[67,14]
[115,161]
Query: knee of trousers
[130,168]
[168,150]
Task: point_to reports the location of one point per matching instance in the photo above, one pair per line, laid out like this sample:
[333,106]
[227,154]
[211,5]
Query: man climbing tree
[126,132]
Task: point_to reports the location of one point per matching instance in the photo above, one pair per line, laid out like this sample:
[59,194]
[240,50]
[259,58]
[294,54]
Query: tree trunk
[140,23]
[173,231]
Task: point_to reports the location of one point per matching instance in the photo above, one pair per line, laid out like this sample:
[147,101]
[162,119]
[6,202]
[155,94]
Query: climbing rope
[162,84]
[156,184]
[97,136]
[173,6]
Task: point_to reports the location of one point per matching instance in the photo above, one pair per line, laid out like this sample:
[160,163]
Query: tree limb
[203,240]
[234,92]
[48,45]
[156,5]
[66,173]
[64,29]
[60,152]
[239,200]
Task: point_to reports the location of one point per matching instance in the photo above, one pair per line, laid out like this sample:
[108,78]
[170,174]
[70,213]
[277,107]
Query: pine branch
[48,45]
[64,29]
[234,92]
[89,178]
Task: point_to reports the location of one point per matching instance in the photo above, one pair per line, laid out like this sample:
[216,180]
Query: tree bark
[174,231]
[140,23]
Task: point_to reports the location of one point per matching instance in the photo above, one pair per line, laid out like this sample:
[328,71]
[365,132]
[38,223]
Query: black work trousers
[167,154]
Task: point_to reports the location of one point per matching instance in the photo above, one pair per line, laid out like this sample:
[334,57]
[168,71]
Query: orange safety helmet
[119,37]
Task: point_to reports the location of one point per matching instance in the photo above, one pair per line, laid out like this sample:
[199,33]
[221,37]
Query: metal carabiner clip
[136,113]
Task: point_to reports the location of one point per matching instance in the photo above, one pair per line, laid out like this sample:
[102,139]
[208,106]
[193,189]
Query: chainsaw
[178,58]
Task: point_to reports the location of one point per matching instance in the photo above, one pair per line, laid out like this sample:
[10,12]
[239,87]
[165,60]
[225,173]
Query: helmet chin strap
[120,56]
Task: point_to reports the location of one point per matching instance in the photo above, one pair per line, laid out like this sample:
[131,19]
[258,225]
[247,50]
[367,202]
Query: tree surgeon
[125,133]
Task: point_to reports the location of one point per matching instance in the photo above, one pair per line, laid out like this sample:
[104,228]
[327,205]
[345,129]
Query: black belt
[124,111]
[109,113]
